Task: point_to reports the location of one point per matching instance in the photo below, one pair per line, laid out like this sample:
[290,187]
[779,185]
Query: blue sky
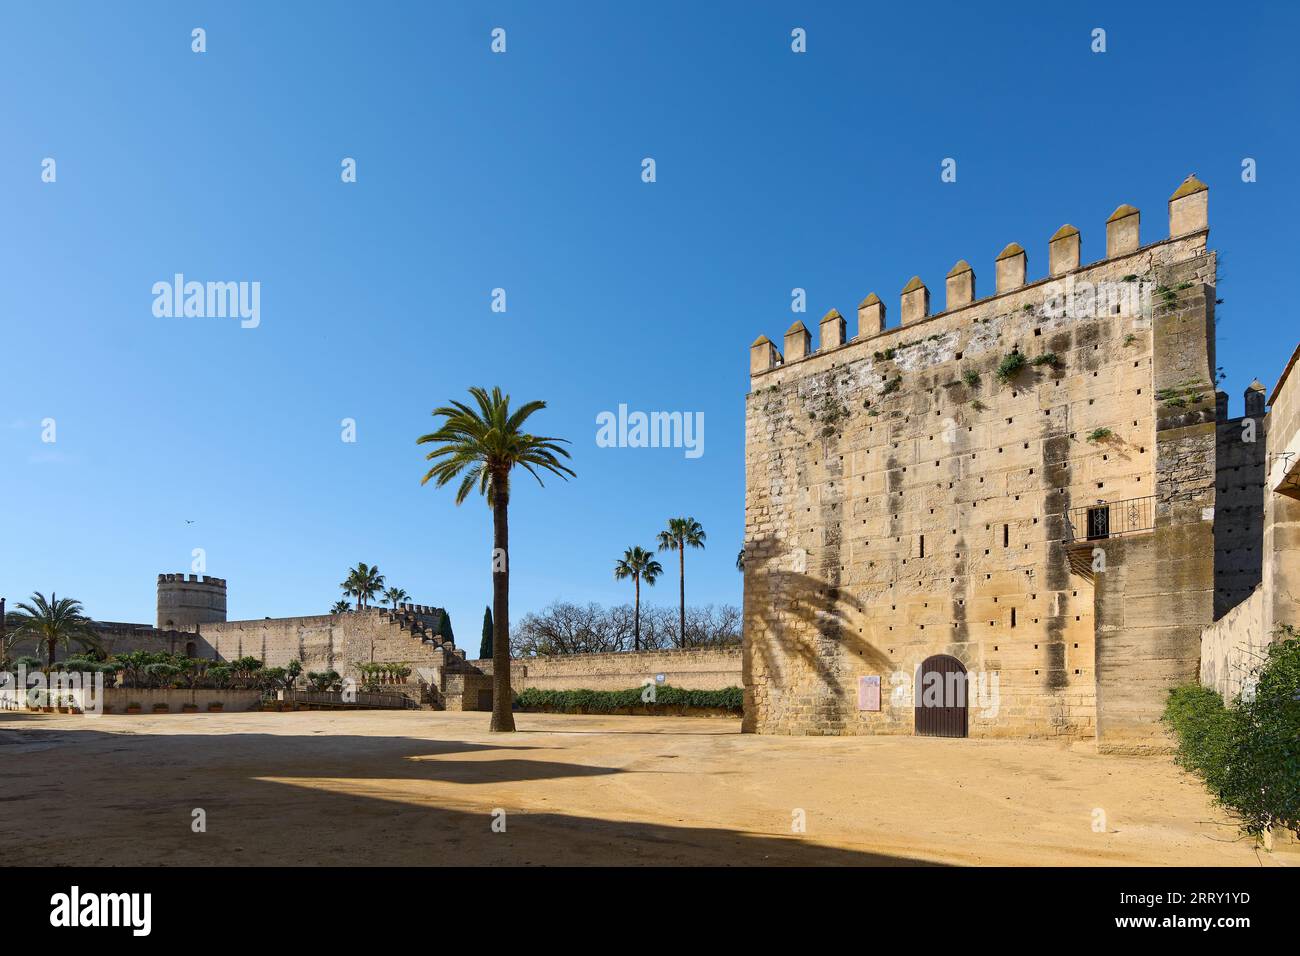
[522,171]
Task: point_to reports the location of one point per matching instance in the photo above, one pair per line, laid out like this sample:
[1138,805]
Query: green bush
[667,699]
[1204,728]
[1010,367]
[1262,778]
[1248,754]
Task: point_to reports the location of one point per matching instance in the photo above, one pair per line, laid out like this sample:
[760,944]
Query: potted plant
[214,707]
[189,708]
[133,708]
[161,709]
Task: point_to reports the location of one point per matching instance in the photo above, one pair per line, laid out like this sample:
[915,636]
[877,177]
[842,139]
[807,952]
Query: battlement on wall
[1188,217]
[193,580]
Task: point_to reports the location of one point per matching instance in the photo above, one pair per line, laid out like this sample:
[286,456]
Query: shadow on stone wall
[804,618]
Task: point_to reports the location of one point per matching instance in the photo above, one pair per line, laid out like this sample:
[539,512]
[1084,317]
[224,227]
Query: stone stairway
[432,656]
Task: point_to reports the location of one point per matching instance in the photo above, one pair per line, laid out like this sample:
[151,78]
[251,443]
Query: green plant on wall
[1099,434]
[971,378]
[1010,367]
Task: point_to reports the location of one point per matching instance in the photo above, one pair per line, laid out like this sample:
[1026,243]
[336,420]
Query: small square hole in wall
[995,647]
[1035,673]
[1035,647]
[1038,331]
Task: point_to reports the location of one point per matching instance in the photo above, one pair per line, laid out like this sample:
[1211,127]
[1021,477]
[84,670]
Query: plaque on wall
[868,693]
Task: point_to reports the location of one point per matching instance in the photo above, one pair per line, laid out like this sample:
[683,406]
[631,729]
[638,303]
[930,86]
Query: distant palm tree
[481,446]
[740,560]
[53,622]
[363,583]
[396,596]
[680,533]
[340,607]
[640,565]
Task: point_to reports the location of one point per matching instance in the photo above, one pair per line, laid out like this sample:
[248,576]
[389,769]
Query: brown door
[941,698]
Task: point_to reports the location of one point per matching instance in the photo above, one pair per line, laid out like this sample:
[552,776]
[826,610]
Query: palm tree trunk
[636,617]
[503,721]
[50,646]
[681,589]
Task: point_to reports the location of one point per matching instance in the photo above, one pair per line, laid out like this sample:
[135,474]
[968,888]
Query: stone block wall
[325,641]
[1236,644]
[1233,646]
[692,668]
[902,502]
[1239,510]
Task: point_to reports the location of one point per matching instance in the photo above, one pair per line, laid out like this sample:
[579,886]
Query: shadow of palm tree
[303,800]
[792,614]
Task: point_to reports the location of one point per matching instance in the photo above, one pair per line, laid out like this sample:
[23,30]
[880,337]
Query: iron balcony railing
[1109,519]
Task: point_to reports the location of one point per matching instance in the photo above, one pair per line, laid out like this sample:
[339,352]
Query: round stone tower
[185,602]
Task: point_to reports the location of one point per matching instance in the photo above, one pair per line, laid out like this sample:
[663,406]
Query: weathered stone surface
[903,502]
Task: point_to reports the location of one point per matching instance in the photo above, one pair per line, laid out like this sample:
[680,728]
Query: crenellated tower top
[1188,215]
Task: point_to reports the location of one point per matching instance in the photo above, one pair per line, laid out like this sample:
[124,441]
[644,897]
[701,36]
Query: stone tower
[184,602]
[1012,499]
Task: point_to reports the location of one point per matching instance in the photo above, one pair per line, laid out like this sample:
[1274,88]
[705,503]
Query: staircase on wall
[432,655]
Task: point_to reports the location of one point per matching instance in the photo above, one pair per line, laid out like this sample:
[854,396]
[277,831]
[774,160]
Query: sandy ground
[421,787]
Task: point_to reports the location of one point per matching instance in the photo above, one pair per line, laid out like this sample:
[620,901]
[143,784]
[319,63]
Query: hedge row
[1248,754]
[666,699]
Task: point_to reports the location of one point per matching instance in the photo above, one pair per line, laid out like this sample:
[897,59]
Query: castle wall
[325,641]
[1158,591]
[121,638]
[1281,572]
[1234,647]
[691,668]
[1239,510]
[896,508]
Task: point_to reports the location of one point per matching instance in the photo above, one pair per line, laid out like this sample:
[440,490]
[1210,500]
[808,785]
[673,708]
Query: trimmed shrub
[668,699]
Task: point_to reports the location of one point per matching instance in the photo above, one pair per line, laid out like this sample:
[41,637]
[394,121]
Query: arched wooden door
[940,697]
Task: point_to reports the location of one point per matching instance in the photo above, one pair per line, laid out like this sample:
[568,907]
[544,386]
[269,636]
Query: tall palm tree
[640,565]
[351,586]
[396,596]
[680,533]
[340,607]
[482,445]
[53,622]
[363,582]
